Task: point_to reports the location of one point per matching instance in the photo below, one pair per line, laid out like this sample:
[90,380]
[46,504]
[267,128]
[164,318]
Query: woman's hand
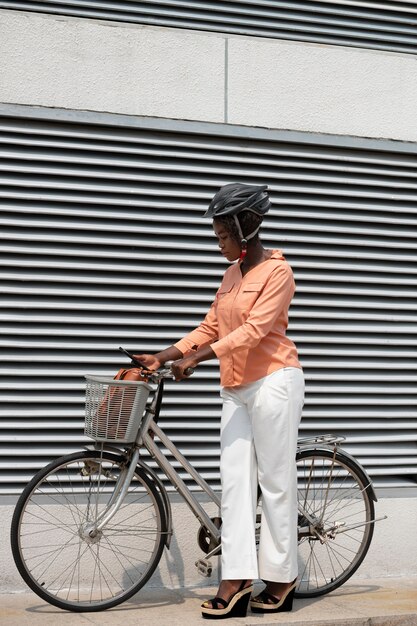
[178,367]
[150,360]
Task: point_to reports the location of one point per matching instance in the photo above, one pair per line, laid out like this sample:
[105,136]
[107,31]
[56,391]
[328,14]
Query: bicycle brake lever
[164,373]
[188,371]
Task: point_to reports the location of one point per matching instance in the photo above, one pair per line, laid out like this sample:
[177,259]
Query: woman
[262,386]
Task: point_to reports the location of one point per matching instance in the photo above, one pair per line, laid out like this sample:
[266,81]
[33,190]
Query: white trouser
[259,429]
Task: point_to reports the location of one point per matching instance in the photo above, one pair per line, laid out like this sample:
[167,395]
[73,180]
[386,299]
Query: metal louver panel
[377,25]
[103,244]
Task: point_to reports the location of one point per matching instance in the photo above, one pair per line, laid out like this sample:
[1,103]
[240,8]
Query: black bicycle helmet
[236,197]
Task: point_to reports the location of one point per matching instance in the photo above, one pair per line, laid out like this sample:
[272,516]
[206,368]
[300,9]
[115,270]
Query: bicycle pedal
[204,567]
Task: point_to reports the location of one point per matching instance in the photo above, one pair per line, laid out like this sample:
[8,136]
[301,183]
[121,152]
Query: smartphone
[132,358]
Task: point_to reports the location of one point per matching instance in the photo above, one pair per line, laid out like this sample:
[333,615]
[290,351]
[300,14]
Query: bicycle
[89,529]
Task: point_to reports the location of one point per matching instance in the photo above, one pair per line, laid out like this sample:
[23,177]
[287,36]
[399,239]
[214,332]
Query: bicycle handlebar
[154,374]
[166,373]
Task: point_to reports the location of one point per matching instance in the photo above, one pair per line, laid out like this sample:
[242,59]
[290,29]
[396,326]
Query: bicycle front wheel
[51,533]
[336,529]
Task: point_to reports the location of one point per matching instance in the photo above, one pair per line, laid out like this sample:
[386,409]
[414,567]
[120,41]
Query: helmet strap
[239,230]
[244,240]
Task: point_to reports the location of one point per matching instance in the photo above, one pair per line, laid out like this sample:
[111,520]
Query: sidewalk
[380,602]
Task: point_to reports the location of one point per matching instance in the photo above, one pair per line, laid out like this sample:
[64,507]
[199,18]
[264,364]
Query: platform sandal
[267,603]
[236,607]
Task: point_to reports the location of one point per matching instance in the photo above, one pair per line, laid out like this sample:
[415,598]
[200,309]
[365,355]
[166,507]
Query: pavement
[360,602]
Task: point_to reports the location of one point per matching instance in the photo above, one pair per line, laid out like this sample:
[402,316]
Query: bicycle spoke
[66,573]
[46,513]
[67,567]
[110,575]
[71,502]
[341,547]
[142,511]
[29,559]
[115,546]
[317,566]
[94,572]
[114,552]
[126,556]
[330,560]
[73,572]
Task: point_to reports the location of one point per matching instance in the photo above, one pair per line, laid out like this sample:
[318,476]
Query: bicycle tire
[350,502]
[73,574]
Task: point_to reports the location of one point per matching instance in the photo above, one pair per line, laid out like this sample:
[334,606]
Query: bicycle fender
[351,458]
[164,495]
[91,447]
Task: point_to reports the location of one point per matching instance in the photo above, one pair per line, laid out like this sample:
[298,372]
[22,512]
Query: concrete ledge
[376,602]
[98,65]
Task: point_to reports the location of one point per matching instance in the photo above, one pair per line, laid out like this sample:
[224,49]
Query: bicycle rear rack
[321,439]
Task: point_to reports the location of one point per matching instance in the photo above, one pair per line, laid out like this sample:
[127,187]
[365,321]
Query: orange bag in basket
[116,400]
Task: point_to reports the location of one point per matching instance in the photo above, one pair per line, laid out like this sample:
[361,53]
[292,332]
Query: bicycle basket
[114,408]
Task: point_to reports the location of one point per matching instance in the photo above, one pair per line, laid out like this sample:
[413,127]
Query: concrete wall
[161,72]
[393,551]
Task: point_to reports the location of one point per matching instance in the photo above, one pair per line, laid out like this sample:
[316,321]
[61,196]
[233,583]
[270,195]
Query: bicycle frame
[177,481]
[149,429]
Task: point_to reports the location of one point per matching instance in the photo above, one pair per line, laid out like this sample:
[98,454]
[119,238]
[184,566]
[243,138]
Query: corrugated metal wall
[377,25]
[103,244]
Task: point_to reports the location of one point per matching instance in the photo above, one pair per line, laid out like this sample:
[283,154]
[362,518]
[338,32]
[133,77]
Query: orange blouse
[246,323]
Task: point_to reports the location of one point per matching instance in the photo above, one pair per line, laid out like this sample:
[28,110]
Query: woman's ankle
[275,587]
[234,584]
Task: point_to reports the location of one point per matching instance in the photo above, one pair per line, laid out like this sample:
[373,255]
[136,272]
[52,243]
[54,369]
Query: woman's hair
[248,223]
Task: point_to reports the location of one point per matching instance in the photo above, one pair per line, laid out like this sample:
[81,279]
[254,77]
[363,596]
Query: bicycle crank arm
[214,551]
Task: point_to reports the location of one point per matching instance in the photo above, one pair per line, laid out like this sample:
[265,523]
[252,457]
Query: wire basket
[114,408]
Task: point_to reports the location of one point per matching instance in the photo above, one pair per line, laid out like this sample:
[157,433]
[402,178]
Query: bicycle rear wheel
[51,545]
[332,490]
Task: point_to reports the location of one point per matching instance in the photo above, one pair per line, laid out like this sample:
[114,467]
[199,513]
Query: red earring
[244,251]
